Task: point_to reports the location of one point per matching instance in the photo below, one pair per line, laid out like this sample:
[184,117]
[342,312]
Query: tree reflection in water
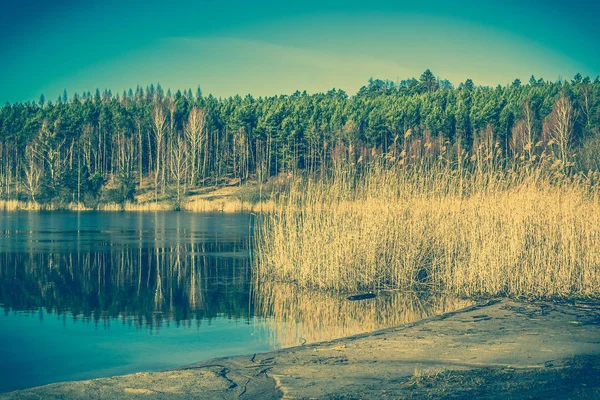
[145,286]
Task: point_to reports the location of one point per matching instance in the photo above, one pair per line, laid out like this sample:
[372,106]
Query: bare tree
[3,171]
[86,146]
[195,134]
[240,154]
[171,106]
[518,139]
[126,160]
[140,142]
[49,151]
[159,118]
[33,172]
[178,168]
[9,160]
[528,125]
[559,126]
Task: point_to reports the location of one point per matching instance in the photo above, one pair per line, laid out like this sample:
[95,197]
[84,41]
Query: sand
[495,349]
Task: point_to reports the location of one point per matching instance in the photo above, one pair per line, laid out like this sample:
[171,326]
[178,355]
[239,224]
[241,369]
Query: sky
[267,47]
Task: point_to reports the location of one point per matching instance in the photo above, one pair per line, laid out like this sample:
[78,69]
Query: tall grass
[18,205]
[485,231]
[226,205]
[134,206]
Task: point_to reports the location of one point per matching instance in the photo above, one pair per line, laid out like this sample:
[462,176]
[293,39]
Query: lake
[96,294]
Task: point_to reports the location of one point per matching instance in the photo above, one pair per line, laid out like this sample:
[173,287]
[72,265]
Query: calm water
[97,294]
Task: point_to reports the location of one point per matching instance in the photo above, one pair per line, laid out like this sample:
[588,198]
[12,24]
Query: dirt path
[500,349]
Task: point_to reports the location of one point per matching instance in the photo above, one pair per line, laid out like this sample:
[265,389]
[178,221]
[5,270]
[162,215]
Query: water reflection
[149,286]
[160,274]
[151,271]
[146,277]
[305,316]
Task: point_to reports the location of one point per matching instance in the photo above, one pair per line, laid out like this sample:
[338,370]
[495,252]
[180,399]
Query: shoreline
[223,198]
[495,349]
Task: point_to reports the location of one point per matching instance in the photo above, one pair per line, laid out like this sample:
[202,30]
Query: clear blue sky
[271,47]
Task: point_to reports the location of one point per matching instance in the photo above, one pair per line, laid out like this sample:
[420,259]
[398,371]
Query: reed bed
[227,205]
[134,206]
[11,205]
[18,205]
[250,197]
[516,232]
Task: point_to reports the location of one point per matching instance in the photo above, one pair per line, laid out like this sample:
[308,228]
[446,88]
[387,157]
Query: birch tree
[178,168]
[195,134]
[159,118]
[560,126]
[33,172]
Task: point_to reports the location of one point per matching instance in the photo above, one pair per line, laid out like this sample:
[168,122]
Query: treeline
[101,147]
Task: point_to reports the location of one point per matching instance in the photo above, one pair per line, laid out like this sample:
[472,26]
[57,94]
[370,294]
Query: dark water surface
[95,294]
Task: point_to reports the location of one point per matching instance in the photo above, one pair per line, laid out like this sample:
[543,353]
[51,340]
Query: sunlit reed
[486,231]
[226,205]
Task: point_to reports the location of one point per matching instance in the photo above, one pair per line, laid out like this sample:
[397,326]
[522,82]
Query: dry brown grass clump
[226,205]
[469,233]
[13,205]
[18,205]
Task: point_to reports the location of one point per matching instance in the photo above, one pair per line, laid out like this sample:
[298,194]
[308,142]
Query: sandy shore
[499,349]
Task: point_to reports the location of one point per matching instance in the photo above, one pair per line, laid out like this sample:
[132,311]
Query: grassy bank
[485,231]
[228,199]
[19,205]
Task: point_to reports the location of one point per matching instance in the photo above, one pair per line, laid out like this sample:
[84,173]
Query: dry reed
[516,232]
[226,205]
[18,205]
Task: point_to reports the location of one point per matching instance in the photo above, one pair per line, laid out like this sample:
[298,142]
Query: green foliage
[89,140]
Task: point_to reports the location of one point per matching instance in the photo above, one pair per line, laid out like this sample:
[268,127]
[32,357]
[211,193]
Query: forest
[94,148]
